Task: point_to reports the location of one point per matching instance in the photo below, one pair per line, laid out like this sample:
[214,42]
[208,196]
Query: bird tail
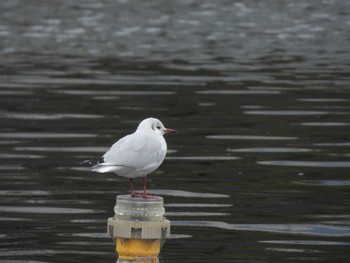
[104,168]
[100,166]
[91,162]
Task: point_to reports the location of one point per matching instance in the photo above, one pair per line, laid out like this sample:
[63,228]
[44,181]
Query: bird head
[154,125]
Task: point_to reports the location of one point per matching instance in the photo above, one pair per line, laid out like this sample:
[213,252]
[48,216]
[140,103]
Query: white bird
[137,154]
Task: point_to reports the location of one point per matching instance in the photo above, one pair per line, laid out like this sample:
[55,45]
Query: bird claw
[136,195]
[149,196]
[145,196]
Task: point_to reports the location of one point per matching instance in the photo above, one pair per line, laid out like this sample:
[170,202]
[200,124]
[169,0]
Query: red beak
[169,130]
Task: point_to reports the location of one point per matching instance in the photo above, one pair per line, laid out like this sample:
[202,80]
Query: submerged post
[139,227]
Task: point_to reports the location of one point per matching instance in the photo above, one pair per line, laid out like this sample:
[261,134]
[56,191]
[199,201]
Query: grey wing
[138,151]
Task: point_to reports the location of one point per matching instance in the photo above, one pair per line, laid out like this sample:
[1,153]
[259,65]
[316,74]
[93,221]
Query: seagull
[137,154]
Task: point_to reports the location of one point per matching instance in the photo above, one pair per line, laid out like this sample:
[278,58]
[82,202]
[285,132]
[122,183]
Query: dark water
[259,92]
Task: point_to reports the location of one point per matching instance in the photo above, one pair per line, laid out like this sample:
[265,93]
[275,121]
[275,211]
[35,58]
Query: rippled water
[259,92]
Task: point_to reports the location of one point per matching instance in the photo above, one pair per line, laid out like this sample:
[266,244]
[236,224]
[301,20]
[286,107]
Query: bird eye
[156,127]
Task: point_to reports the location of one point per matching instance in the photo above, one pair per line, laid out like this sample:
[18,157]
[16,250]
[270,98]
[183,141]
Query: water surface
[259,92]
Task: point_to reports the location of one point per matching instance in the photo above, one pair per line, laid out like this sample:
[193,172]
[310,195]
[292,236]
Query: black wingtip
[90,162]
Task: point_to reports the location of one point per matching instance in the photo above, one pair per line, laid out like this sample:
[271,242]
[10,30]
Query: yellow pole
[139,227]
[138,248]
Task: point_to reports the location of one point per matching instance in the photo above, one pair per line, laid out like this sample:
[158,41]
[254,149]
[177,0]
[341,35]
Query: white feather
[137,154]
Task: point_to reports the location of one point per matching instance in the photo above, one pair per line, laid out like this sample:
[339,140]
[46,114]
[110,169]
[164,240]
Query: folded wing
[134,155]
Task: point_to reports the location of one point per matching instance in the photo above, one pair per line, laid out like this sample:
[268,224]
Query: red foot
[136,195]
[149,196]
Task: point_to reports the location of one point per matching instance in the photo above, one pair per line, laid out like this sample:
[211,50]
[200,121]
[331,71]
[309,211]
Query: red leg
[132,186]
[132,189]
[145,189]
[144,186]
